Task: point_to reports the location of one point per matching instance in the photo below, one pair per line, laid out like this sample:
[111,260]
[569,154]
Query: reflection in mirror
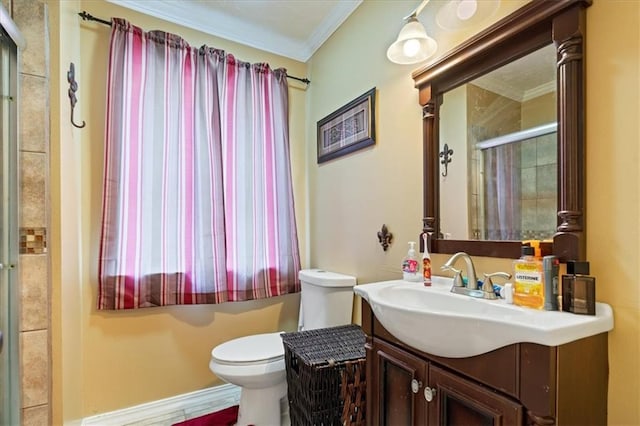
[530,28]
[502,184]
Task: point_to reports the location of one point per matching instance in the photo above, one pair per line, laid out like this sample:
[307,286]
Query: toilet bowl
[256,363]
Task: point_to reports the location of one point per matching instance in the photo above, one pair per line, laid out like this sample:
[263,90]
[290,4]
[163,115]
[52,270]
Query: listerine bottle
[528,283]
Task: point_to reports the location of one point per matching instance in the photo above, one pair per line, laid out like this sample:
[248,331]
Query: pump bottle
[410,264]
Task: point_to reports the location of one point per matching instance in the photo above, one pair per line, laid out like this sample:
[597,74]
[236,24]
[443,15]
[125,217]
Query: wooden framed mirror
[533,27]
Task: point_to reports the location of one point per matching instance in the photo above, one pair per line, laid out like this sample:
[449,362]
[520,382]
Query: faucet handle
[487,284]
[457,277]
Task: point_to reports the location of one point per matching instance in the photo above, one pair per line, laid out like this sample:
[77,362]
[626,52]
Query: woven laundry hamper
[326,376]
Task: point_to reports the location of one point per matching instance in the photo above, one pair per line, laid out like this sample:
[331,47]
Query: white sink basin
[436,321]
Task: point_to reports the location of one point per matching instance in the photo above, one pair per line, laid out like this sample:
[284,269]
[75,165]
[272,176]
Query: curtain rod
[88,17]
[519,136]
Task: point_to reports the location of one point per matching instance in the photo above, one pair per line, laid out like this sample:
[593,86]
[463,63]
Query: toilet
[256,363]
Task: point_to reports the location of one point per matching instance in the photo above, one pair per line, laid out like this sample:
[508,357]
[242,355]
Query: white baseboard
[190,404]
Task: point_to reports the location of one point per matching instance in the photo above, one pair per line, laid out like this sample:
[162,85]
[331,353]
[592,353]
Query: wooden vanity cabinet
[396,385]
[521,384]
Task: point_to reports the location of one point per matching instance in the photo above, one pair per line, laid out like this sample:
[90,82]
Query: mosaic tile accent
[33,240]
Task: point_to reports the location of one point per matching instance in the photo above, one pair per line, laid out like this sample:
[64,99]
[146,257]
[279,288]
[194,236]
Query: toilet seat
[250,350]
[253,362]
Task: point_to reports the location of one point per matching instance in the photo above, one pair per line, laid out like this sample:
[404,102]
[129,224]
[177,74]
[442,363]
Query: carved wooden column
[431,185]
[568,35]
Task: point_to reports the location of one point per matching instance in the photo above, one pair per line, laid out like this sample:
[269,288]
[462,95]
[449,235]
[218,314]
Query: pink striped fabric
[197,199]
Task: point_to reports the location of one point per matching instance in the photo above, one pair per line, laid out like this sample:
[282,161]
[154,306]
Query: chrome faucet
[472,280]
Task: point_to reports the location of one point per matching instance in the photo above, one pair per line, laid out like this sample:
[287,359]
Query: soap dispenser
[410,265]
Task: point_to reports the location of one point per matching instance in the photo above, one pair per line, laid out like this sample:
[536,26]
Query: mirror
[527,31]
[501,132]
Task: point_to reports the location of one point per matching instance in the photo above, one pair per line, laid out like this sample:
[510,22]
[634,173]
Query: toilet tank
[326,299]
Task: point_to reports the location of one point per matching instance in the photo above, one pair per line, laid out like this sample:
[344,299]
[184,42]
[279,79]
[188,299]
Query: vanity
[439,358]
[449,375]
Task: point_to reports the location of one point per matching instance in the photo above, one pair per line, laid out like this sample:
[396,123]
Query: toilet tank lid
[324,278]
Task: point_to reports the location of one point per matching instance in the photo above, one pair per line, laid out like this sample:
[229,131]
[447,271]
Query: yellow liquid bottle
[528,284]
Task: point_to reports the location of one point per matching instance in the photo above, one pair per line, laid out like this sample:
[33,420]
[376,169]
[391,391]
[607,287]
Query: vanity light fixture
[465,9]
[456,14]
[413,45]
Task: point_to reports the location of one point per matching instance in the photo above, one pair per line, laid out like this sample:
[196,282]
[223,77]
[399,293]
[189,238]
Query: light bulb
[466,9]
[411,47]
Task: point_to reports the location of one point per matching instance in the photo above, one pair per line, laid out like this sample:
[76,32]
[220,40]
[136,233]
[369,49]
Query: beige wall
[455,220]
[104,361]
[613,186]
[540,110]
[351,197]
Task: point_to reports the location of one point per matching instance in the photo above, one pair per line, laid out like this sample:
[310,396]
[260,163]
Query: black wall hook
[73,87]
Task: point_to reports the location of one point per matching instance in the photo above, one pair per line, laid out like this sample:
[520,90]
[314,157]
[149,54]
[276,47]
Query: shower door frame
[11,42]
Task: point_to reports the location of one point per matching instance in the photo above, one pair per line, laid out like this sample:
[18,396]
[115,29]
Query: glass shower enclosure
[10,42]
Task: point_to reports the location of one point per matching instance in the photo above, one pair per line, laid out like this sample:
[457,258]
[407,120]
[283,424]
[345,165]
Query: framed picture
[348,129]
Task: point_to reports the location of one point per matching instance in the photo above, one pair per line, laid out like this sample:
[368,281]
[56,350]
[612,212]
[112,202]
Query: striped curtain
[197,197]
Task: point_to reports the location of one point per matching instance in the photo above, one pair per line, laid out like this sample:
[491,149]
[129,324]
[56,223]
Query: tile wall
[31,18]
[539,167]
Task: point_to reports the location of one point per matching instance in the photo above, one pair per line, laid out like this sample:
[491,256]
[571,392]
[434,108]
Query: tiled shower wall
[35,353]
[539,187]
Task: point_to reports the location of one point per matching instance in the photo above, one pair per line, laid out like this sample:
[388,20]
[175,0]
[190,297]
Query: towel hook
[73,87]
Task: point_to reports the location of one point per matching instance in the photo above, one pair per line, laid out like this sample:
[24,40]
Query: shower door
[9,302]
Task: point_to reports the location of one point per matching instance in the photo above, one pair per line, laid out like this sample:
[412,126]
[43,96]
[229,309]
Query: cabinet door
[398,396]
[458,401]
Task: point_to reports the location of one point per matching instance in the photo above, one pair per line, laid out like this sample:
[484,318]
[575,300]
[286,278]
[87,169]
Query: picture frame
[348,129]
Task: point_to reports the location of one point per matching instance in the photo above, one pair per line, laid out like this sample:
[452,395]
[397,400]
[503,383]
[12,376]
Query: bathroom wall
[33,164]
[352,196]
[455,221]
[613,189]
[104,361]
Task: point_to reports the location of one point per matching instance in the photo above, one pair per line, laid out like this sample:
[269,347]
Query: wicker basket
[326,376]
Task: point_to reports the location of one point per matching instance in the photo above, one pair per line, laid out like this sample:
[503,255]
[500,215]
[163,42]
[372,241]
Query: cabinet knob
[429,393]
[415,385]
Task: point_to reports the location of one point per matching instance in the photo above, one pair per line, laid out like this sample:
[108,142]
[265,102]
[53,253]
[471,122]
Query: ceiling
[526,78]
[297,28]
[294,29]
